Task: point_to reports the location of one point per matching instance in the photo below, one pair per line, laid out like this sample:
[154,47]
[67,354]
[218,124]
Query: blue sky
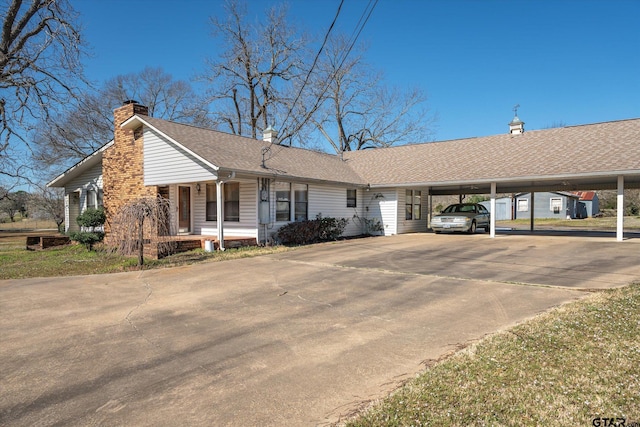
[569,61]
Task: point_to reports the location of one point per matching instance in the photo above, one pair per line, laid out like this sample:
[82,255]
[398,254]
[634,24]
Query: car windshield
[459,208]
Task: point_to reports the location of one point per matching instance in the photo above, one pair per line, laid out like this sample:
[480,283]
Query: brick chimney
[123,163]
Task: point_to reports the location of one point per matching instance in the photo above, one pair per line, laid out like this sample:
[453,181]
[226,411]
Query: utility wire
[364,18]
[315,61]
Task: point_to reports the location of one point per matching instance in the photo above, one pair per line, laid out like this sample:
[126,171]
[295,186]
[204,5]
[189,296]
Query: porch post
[620,209]
[533,210]
[220,213]
[492,233]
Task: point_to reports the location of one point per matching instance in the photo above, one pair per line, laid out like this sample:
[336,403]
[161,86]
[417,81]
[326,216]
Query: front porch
[169,245]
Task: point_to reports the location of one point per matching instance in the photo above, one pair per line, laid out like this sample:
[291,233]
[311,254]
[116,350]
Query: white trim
[620,208]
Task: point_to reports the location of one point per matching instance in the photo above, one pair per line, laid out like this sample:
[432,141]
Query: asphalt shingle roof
[244,154]
[585,149]
[573,150]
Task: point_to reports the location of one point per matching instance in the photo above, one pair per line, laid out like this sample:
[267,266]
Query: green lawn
[19,263]
[565,368]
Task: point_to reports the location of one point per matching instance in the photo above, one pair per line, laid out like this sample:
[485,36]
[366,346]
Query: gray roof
[243,154]
[575,150]
[583,154]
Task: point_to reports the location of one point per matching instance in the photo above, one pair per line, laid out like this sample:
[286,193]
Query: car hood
[456,214]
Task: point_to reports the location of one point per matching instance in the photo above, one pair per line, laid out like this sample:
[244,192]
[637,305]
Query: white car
[462,217]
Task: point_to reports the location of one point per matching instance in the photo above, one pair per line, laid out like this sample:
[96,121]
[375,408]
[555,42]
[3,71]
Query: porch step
[188,243]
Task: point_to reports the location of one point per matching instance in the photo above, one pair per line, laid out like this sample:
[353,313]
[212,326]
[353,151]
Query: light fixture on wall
[198,188]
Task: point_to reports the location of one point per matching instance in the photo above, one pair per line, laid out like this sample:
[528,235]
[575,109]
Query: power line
[315,61]
[364,18]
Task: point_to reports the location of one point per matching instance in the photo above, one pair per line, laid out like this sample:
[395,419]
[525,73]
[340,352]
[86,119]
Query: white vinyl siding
[91,180]
[330,201]
[166,163]
[383,206]
[248,224]
[412,225]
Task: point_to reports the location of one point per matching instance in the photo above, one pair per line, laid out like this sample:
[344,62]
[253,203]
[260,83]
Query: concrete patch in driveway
[298,338]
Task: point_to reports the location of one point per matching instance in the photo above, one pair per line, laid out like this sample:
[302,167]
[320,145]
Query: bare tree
[15,203]
[48,203]
[250,83]
[358,111]
[88,124]
[145,218]
[40,69]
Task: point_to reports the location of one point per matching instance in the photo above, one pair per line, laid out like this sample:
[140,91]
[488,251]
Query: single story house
[548,204]
[224,185]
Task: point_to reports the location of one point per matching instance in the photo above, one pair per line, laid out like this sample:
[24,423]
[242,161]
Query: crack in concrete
[441,276]
[128,316]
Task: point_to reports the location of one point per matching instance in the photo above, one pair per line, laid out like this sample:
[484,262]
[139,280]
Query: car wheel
[436,231]
[472,228]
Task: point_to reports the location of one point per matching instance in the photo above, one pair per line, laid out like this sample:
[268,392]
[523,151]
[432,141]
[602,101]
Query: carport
[600,156]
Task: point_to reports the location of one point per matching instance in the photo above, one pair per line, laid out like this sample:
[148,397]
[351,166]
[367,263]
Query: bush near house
[311,231]
[90,220]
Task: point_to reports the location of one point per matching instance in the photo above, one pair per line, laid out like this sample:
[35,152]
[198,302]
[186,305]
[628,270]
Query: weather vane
[515,109]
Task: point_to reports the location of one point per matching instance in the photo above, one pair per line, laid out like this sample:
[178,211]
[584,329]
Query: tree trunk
[141,243]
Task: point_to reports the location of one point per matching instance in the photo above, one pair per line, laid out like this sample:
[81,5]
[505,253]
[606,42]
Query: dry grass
[565,367]
[598,224]
[19,263]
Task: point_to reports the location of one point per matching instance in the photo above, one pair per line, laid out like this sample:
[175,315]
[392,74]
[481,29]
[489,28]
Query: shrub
[89,220]
[311,231]
[87,238]
[92,218]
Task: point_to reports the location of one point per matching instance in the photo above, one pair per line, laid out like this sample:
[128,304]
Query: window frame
[211,206]
[92,199]
[413,205]
[283,196]
[300,207]
[523,205]
[352,198]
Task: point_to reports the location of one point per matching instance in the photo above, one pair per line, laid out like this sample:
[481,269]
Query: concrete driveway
[300,338]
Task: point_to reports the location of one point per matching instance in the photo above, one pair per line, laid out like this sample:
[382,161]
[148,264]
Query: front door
[184,203]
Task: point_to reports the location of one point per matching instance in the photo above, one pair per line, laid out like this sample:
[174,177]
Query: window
[231,202]
[413,204]
[91,199]
[212,203]
[556,204]
[351,198]
[100,198]
[300,191]
[286,193]
[283,201]
[523,205]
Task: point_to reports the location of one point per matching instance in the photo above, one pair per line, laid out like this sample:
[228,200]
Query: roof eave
[79,167]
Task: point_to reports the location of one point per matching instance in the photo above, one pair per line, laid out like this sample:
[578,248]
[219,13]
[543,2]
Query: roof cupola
[516,126]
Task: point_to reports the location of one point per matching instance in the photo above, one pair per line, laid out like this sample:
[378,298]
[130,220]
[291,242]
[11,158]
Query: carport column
[220,213]
[492,233]
[532,202]
[620,208]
